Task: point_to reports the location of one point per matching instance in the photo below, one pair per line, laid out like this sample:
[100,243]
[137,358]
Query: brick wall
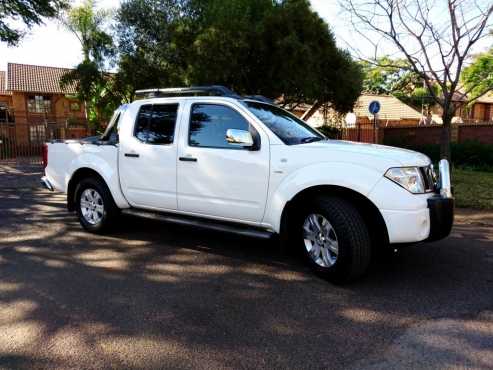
[481,133]
[411,136]
[423,135]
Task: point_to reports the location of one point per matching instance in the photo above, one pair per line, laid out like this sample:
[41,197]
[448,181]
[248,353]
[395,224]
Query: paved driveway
[154,295]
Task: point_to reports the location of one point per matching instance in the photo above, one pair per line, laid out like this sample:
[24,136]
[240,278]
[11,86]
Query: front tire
[95,206]
[333,238]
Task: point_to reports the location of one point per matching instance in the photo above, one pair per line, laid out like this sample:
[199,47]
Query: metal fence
[23,143]
[362,132]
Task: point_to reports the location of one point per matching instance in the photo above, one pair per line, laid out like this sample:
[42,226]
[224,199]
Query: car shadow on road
[154,295]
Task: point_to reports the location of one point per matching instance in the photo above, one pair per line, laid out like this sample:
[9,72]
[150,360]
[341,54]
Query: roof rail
[213,90]
[259,98]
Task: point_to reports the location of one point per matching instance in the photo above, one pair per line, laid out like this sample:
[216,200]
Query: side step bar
[243,230]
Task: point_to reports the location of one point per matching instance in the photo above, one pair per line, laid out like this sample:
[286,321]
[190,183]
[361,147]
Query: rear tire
[95,206]
[339,248]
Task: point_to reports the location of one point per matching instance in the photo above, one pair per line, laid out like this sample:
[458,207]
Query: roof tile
[2,84]
[40,79]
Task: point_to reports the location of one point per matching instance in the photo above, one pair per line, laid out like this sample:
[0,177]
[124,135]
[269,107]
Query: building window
[74,106]
[39,104]
[37,134]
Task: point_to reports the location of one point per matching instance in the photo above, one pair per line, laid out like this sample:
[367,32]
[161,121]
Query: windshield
[290,129]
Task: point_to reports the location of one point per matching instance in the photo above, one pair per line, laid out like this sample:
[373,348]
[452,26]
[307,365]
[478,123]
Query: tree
[396,77]
[28,12]
[477,78]
[436,38]
[92,82]
[389,76]
[271,48]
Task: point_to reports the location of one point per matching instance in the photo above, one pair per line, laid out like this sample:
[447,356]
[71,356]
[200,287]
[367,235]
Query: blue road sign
[374,107]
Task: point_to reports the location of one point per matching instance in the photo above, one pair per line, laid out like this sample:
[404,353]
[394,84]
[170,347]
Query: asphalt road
[153,295]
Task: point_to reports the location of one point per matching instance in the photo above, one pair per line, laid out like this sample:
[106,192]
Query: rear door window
[156,123]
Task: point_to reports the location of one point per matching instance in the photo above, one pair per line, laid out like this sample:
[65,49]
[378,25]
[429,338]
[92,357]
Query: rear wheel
[94,205]
[333,239]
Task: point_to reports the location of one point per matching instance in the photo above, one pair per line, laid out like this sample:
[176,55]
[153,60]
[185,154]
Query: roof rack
[213,90]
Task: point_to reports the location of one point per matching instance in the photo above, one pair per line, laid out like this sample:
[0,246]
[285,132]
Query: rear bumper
[441,217]
[47,184]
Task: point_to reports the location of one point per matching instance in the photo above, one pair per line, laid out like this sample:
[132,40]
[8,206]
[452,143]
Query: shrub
[331,132]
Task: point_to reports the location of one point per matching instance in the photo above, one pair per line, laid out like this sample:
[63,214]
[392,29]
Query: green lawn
[473,189]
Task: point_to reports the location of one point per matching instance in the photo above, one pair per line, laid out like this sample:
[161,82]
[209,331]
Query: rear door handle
[188,159]
[132,155]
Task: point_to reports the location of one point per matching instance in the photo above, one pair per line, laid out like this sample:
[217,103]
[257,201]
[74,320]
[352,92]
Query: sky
[52,45]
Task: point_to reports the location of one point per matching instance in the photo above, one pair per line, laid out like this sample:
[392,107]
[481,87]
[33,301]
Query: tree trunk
[311,111]
[445,138]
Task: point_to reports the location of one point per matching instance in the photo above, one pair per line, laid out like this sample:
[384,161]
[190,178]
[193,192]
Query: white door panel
[148,171]
[224,183]
[228,183]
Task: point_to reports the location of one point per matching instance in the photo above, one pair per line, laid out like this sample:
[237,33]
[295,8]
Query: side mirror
[240,138]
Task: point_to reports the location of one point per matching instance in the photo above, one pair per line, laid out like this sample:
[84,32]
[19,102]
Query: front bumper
[441,217]
[431,217]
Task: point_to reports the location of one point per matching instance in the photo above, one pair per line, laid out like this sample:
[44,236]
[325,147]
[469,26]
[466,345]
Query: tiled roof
[391,108]
[40,79]
[2,84]
[486,98]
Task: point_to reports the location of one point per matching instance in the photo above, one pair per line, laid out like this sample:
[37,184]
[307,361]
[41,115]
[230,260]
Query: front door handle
[188,159]
[132,155]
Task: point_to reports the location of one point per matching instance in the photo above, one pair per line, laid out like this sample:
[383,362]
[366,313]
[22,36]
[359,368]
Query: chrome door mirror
[239,137]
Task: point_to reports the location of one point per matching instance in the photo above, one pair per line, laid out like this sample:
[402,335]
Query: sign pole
[375,136]
[374,108]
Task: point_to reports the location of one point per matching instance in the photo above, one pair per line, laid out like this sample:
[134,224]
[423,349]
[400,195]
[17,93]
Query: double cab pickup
[208,157]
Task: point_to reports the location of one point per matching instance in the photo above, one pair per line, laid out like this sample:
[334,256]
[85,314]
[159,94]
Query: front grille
[429,178]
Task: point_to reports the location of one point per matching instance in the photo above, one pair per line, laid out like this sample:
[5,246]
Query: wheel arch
[77,176]
[369,211]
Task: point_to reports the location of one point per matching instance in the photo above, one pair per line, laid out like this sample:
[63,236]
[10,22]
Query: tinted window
[156,123]
[209,123]
[289,128]
[162,124]
[142,122]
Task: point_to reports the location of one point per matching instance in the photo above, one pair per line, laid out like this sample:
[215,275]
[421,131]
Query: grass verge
[473,189]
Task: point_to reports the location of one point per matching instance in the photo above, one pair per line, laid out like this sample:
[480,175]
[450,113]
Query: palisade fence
[23,143]
[363,132]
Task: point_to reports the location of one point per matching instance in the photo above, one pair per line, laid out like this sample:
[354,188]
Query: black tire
[111,211]
[354,241]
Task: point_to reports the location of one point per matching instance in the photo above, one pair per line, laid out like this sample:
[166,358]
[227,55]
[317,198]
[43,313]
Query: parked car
[222,161]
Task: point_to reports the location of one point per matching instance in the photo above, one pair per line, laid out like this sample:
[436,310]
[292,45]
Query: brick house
[40,108]
[393,112]
[5,101]
[482,109]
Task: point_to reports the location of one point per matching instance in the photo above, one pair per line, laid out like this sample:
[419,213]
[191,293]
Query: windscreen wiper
[310,139]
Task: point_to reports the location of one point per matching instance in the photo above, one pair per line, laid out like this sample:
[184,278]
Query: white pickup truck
[207,157]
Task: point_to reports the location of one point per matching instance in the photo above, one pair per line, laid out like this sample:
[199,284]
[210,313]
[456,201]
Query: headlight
[409,178]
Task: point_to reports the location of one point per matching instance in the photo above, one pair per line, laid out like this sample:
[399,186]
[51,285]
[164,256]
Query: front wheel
[95,206]
[334,239]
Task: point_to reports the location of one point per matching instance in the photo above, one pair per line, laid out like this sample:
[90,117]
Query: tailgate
[60,156]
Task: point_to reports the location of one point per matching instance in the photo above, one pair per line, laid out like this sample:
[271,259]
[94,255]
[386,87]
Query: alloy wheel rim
[92,206]
[320,240]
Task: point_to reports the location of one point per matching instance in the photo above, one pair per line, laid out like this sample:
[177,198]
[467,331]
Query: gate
[23,143]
